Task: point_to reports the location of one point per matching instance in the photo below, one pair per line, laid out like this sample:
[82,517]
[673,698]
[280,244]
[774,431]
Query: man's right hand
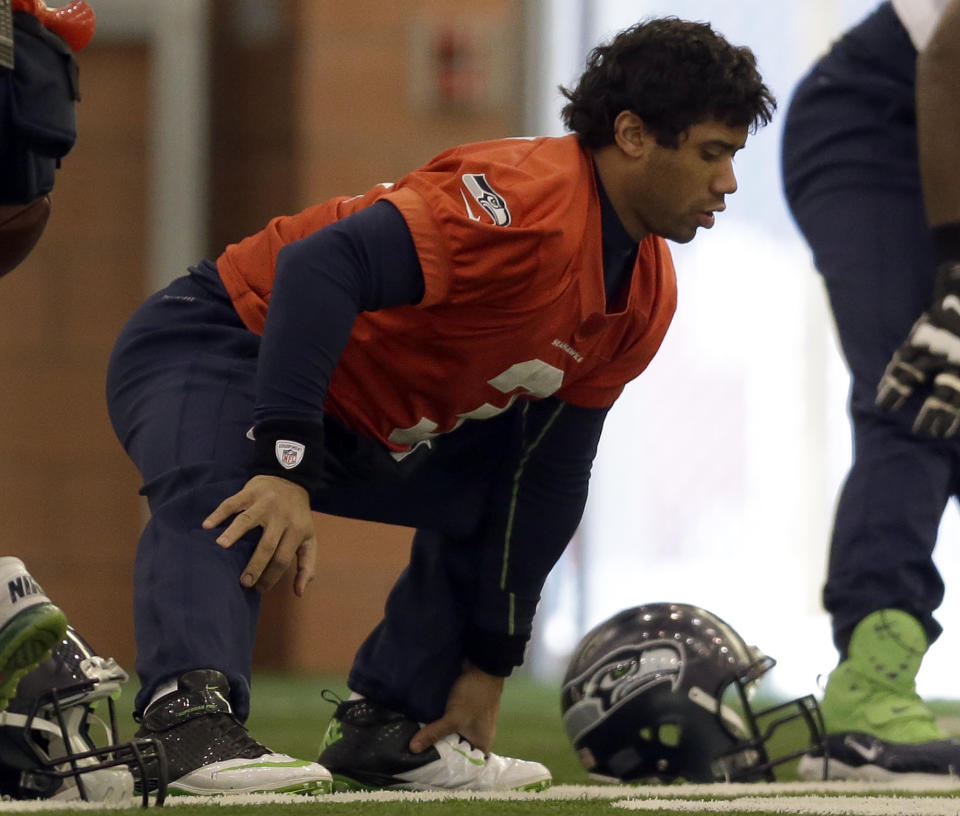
[282,509]
[471,711]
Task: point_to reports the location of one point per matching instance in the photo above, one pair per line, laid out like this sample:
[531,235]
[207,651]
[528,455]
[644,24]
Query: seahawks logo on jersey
[488,198]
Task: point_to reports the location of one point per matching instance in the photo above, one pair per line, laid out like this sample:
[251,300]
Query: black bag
[38,119]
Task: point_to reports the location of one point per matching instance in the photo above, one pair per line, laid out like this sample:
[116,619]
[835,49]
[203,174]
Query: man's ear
[631,134]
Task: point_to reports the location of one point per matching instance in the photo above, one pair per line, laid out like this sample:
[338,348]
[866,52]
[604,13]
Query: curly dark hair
[672,74]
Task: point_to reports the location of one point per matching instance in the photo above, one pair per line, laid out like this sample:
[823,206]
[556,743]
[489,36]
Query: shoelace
[235,739]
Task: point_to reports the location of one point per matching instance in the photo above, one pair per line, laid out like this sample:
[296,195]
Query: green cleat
[30,626]
[874,689]
[877,726]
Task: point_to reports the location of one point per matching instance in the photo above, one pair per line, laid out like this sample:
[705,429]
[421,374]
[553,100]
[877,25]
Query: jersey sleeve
[365,261]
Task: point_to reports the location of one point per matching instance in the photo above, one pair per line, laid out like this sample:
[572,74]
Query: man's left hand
[930,356]
[282,509]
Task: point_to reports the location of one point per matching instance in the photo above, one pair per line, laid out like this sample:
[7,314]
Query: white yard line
[785,797]
[806,805]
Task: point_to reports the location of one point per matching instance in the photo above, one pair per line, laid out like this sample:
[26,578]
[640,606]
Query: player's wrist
[945,239]
[291,449]
[496,653]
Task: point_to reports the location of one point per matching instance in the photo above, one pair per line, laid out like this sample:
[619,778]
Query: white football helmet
[49,748]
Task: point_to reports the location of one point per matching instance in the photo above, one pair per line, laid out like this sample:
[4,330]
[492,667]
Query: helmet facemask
[53,743]
[755,727]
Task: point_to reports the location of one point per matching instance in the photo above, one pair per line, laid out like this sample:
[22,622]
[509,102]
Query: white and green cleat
[30,626]
[210,753]
[270,773]
[366,748]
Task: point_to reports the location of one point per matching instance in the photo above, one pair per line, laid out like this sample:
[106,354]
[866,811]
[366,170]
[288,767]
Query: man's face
[676,190]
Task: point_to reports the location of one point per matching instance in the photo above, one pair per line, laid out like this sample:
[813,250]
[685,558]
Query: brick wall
[329,101]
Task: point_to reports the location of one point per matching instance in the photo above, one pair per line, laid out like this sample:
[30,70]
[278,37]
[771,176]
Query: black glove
[930,356]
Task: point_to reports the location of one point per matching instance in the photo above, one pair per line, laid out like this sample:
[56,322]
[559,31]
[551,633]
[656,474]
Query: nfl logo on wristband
[289,453]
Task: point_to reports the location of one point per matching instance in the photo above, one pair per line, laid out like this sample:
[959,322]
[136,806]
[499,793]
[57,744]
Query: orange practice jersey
[508,236]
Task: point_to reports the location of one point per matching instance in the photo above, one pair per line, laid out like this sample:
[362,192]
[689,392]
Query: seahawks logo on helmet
[489,199]
[619,676]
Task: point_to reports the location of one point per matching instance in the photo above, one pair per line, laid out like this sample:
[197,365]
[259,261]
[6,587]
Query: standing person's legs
[852,181]
[869,246]
[853,185]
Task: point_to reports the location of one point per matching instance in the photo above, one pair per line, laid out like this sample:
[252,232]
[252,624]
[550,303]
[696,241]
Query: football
[21,226]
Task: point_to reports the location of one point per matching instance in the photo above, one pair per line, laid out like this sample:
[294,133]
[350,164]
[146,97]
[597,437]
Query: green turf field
[289,715]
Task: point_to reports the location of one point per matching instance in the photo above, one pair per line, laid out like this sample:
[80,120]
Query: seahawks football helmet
[47,734]
[661,693]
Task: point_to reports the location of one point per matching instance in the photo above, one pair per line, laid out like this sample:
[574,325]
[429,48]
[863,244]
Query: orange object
[74,22]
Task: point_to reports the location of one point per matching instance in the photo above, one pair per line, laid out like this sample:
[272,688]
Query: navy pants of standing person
[852,180]
[180,391]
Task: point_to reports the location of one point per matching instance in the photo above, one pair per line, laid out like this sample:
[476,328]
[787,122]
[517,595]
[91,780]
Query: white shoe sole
[271,773]
[811,769]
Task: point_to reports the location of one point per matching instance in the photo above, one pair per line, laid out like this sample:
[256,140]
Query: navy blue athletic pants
[180,394]
[852,180]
